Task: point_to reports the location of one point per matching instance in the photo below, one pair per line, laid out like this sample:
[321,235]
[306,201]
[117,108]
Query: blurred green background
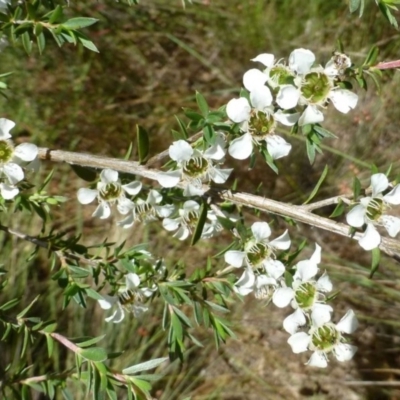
[153,57]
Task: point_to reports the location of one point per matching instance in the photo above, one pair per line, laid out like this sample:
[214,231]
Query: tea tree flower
[109,191]
[306,293]
[325,337]
[129,299]
[258,251]
[258,122]
[11,159]
[147,210]
[371,210]
[195,166]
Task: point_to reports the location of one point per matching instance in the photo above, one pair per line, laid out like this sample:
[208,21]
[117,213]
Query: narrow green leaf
[376,258]
[87,43]
[87,174]
[200,224]
[209,134]
[25,310]
[90,342]
[356,188]
[9,304]
[339,209]
[354,5]
[177,327]
[145,366]
[310,151]
[202,104]
[142,143]
[318,185]
[50,345]
[129,152]
[96,354]
[26,42]
[56,14]
[79,22]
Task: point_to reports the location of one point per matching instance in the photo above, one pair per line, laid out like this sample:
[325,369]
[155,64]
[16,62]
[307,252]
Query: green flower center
[375,209]
[257,253]
[325,337]
[196,167]
[111,191]
[305,295]
[6,151]
[145,212]
[261,124]
[191,219]
[281,75]
[316,87]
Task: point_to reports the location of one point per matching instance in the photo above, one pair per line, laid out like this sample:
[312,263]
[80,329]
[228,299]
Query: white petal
[193,190]
[274,268]
[102,211]
[127,222]
[182,233]
[26,151]
[253,79]
[277,147]
[343,100]
[13,172]
[311,115]
[234,258]
[282,242]
[306,270]
[8,192]
[132,188]
[132,280]
[321,314]
[238,110]
[107,302]
[108,176]
[86,196]
[165,211]
[117,317]
[299,342]
[5,126]
[245,284]
[356,216]
[265,59]
[324,284]
[393,197]
[318,359]
[242,147]
[261,97]
[288,97]
[261,231]
[301,60]
[344,351]
[392,224]
[217,151]
[371,238]
[316,257]
[283,296]
[379,183]
[220,175]
[292,323]
[348,324]
[169,179]
[125,205]
[180,151]
[264,280]
[189,206]
[171,224]
[286,119]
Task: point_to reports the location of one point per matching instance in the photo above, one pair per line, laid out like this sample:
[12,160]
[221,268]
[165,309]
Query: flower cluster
[287,94]
[13,160]
[263,275]
[370,211]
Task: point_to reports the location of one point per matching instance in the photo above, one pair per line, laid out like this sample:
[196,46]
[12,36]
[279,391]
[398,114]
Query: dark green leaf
[339,209]
[318,185]
[376,258]
[79,22]
[200,224]
[26,42]
[87,174]
[142,142]
[202,104]
[356,188]
[96,354]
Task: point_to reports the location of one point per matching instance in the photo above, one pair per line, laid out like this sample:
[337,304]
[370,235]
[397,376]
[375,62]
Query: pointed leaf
[142,143]
[318,185]
[200,224]
[145,366]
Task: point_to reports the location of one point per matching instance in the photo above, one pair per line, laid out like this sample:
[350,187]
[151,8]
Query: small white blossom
[306,293]
[195,166]
[338,64]
[11,159]
[109,190]
[372,211]
[129,299]
[258,251]
[325,337]
[147,210]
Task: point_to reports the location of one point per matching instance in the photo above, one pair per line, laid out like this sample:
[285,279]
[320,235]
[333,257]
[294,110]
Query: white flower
[306,293]
[263,285]
[258,124]
[109,190]
[325,337]
[147,210]
[371,211]
[258,251]
[129,299]
[195,166]
[338,64]
[11,159]
[313,87]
